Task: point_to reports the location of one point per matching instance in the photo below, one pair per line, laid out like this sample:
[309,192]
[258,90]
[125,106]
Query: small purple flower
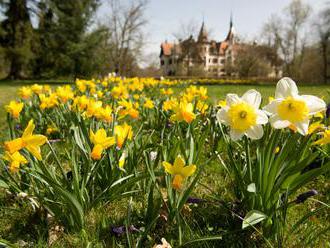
[120,230]
[18,127]
[194,200]
[304,196]
[327,112]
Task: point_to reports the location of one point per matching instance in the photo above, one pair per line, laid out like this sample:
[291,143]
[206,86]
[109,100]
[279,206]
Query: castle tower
[231,32]
[203,35]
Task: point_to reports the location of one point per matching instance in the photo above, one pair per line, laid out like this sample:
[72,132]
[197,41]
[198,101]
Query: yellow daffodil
[122,133]
[314,127]
[25,92]
[15,108]
[105,114]
[65,93]
[319,115]
[183,111]
[101,142]
[81,85]
[122,160]
[149,104]
[202,107]
[48,101]
[179,171]
[169,104]
[325,138]
[127,108]
[37,89]
[222,103]
[93,108]
[289,108]
[166,92]
[15,160]
[51,130]
[243,115]
[28,140]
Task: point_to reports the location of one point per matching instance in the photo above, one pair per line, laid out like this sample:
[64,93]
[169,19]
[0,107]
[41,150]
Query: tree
[66,46]
[16,37]
[253,61]
[285,35]
[125,35]
[323,30]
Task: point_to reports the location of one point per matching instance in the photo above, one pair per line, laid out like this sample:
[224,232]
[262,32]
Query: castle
[204,57]
[209,56]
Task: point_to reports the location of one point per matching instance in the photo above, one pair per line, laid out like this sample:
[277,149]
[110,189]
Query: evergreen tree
[16,37]
[74,44]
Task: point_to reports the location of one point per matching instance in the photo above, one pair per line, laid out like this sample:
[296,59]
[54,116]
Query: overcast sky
[164,16]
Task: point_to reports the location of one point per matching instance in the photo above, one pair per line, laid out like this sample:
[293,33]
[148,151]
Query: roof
[168,48]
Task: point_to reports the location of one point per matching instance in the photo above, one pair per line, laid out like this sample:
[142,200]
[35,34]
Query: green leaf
[253,217]
[3,184]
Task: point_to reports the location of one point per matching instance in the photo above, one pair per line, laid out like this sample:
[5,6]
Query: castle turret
[203,36]
[231,33]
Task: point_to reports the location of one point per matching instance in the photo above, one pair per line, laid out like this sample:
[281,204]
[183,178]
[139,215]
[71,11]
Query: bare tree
[186,29]
[125,34]
[286,35]
[323,30]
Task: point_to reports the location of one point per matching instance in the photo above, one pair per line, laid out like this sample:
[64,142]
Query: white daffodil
[289,108]
[243,115]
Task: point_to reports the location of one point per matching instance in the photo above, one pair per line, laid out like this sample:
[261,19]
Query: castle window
[162,62]
[170,61]
[215,70]
[222,70]
[222,61]
[215,61]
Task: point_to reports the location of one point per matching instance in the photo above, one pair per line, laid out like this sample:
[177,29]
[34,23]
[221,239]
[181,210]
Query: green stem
[248,161]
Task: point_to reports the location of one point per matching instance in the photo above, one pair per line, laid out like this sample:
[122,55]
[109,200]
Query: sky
[165,16]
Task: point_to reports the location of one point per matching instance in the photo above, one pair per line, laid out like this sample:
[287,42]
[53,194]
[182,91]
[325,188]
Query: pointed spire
[230,35]
[203,36]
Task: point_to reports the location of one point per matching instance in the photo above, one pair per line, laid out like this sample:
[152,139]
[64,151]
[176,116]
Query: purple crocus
[120,230]
[304,196]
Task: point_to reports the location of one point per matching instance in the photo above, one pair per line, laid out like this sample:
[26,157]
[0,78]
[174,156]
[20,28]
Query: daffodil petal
[35,150]
[255,132]
[110,141]
[278,123]
[232,99]
[271,108]
[286,87]
[253,98]
[168,167]
[178,163]
[35,140]
[314,104]
[235,135]
[302,127]
[261,117]
[222,116]
[29,129]
[188,170]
